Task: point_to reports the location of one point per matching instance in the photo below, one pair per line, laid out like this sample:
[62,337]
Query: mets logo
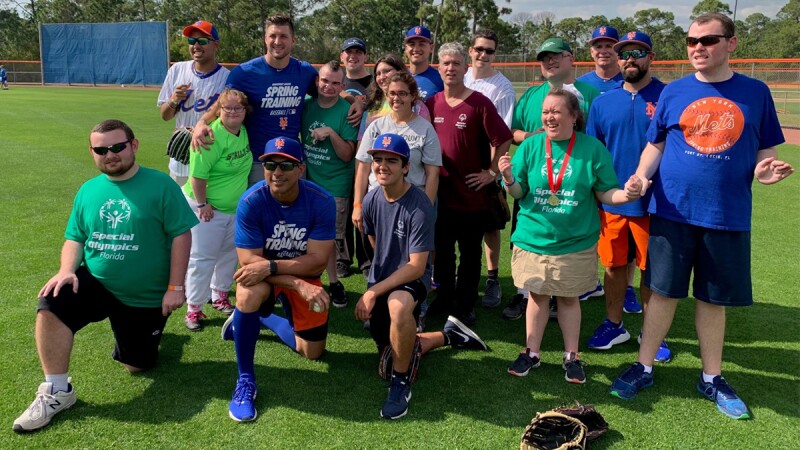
[602,31]
[284,122]
[115,212]
[387,141]
[650,109]
[279,143]
[417,31]
[712,124]
[631,34]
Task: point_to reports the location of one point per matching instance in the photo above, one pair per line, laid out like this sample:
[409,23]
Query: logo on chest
[712,124]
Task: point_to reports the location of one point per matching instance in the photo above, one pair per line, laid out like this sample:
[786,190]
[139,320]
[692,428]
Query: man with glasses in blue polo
[191,87]
[125,257]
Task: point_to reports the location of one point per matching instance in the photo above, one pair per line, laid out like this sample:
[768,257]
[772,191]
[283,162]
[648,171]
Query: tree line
[321,26]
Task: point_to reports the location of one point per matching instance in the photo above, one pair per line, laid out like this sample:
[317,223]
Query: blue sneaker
[598,291]
[608,335]
[631,305]
[396,404]
[721,393]
[242,407]
[630,382]
[664,354]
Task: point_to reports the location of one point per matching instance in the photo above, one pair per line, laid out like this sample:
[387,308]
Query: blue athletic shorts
[718,259]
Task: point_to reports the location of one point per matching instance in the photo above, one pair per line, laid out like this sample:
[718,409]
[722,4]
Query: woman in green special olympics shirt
[217,178]
[558,176]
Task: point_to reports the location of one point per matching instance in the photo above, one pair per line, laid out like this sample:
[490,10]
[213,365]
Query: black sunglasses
[201,41]
[488,51]
[625,54]
[116,148]
[707,40]
[285,166]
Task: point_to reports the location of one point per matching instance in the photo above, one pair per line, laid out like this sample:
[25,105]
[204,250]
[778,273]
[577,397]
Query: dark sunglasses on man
[116,148]
[636,54]
[488,51]
[201,41]
[707,40]
[285,166]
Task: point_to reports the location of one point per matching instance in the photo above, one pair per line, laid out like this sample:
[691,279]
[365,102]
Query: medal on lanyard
[552,180]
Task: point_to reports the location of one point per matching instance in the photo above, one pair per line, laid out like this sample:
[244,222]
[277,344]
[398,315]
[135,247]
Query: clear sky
[617,8]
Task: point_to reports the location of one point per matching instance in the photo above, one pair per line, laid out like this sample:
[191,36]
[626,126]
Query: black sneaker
[553,308]
[396,404]
[574,367]
[523,364]
[338,295]
[462,337]
[342,269]
[516,307]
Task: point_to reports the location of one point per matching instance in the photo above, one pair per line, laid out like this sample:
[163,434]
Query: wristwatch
[273,267]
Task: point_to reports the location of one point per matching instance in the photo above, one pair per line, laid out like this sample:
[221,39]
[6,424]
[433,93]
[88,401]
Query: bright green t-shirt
[127,228]
[225,167]
[573,225]
[323,165]
[528,112]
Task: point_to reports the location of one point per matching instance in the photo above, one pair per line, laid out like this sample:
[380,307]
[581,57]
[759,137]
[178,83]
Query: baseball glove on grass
[554,431]
[178,146]
[385,362]
[596,425]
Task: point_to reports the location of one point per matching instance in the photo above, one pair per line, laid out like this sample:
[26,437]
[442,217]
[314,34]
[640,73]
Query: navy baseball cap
[391,143]
[634,37]
[418,32]
[283,146]
[604,32]
[354,42]
[204,27]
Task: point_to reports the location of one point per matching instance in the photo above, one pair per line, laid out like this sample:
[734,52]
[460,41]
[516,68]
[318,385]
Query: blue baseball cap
[634,37]
[283,146]
[355,42]
[204,27]
[391,143]
[604,32]
[418,32]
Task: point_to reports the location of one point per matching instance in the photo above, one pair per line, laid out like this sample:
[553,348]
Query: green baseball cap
[552,45]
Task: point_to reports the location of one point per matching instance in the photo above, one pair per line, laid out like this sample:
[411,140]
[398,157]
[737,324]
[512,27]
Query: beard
[636,76]
[123,167]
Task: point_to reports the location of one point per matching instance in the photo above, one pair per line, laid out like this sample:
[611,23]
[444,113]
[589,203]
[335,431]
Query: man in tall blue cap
[418,48]
[285,229]
[606,74]
[619,119]
[399,221]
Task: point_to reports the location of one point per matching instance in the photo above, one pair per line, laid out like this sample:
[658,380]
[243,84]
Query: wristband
[492,173]
[510,184]
[356,205]
[201,205]
[273,267]
[175,287]
[173,104]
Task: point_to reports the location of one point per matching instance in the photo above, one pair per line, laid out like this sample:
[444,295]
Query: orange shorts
[296,308]
[613,246]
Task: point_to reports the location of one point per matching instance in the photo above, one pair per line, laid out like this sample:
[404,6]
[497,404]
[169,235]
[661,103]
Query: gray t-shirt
[421,139]
[400,228]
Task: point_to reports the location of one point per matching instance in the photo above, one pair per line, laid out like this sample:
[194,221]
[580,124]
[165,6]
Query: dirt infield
[792,135]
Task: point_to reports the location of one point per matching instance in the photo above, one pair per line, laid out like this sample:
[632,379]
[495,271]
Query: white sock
[647,369]
[60,382]
[532,354]
[194,308]
[708,378]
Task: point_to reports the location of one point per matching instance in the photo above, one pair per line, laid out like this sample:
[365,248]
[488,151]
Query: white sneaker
[44,407]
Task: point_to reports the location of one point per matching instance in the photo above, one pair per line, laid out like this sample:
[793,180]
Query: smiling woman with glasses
[217,178]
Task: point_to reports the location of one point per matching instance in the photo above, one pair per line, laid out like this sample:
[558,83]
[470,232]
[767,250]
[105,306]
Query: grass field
[462,400]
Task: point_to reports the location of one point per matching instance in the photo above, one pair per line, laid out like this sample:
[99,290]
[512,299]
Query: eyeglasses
[201,41]
[116,148]
[636,54]
[401,94]
[555,57]
[707,40]
[286,166]
[488,51]
[232,109]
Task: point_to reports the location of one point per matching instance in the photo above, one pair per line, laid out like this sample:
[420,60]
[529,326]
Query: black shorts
[380,322]
[137,331]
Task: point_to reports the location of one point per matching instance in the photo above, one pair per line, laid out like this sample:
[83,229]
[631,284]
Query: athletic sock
[446,339]
[531,354]
[708,378]
[194,308]
[245,335]
[523,292]
[280,326]
[60,382]
[647,369]
[492,274]
[401,375]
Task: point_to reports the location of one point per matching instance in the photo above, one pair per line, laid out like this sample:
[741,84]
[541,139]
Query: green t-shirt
[323,165]
[573,225]
[126,228]
[225,167]
[528,112]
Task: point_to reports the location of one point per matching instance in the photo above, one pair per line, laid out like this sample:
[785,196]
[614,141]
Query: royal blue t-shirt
[619,119]
[282,230]
[276,97]
[601,84]
[713,132]
[429,82]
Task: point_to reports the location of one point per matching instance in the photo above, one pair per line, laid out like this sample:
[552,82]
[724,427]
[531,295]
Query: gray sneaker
[492,294]
[44,407]
[516,307]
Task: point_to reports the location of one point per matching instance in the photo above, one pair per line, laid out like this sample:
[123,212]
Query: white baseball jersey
[496,88]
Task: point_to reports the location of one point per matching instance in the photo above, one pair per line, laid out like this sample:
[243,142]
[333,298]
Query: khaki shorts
[567,275]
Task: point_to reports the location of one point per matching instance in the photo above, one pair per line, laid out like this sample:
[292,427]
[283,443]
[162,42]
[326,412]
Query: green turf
[462,400]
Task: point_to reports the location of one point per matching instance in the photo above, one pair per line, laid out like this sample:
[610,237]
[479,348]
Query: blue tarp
[104,53]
